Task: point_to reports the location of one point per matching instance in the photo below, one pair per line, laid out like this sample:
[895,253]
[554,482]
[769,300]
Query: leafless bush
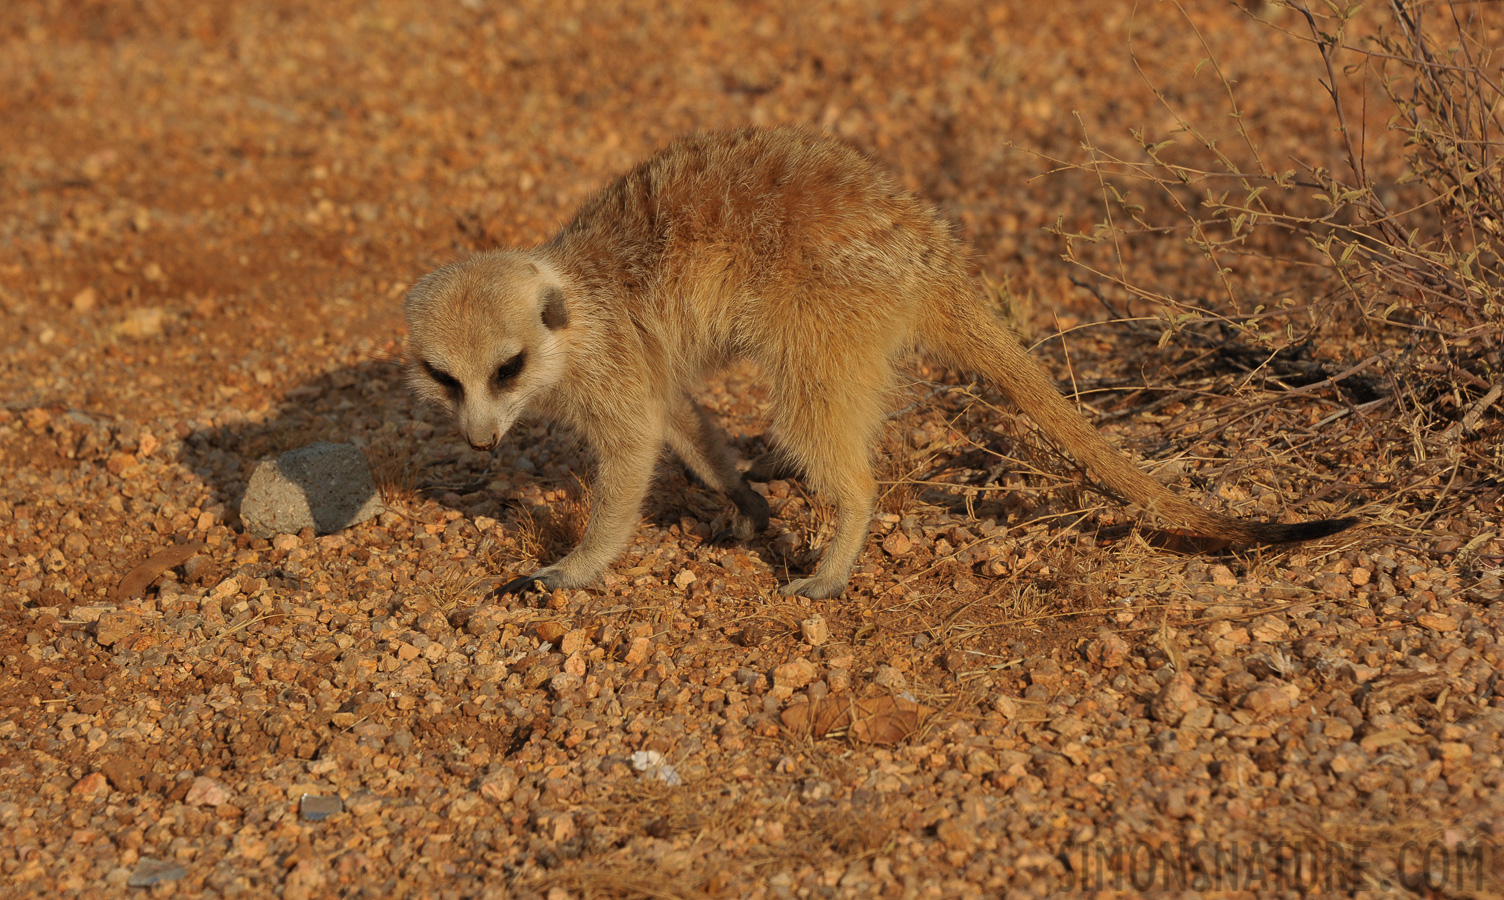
[1392,262]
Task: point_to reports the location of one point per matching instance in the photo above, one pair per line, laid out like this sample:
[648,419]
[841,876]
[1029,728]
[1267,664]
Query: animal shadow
[537,479]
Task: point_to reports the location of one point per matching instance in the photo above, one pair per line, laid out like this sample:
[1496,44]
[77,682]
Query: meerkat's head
[486,336]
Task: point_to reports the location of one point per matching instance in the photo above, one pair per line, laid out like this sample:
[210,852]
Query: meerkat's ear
[555,316]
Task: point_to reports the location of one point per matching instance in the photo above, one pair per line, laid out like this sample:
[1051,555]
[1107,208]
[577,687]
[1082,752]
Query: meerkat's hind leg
[701,444]
[832,442]
[773,465]
[851,483]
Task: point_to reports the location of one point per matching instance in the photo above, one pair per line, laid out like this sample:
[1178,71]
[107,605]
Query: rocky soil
[212,213]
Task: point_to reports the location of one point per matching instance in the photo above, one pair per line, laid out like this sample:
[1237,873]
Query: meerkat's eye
[445,380]
[508,370]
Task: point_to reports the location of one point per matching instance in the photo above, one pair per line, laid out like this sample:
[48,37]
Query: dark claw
[521,585]
[742,531]
[754,511]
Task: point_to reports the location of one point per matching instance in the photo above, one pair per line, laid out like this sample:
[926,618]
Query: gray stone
[323,485]
[151,872]
[317,807]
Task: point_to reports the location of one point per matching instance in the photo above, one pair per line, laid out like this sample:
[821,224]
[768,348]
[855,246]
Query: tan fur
[782,246]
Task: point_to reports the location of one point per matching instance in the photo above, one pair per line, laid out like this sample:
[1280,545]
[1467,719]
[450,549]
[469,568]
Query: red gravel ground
[212,211]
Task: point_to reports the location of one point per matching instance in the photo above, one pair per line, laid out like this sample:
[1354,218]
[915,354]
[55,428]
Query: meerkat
[783,246]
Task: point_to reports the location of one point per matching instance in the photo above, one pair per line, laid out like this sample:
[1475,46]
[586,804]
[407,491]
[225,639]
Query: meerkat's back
[740,236]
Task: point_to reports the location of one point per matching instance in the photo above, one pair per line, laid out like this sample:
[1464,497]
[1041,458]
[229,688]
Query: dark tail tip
[1271,533]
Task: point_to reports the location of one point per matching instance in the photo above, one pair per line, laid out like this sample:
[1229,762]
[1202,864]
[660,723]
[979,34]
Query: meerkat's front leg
[624,471]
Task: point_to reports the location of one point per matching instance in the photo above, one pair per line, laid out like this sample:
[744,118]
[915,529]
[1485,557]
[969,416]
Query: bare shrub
[1368,283]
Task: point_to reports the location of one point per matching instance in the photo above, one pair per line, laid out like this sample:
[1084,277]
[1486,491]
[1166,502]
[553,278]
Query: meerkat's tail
[974,340]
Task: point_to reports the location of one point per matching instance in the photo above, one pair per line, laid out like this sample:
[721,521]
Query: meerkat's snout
[480,437]
[482,424]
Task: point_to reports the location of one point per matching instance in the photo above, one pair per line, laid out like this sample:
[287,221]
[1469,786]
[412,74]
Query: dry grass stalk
[620,882]
[451,585]
[548,530]
[395,470]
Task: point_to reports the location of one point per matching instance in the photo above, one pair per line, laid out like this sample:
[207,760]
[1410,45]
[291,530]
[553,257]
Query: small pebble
[205,791]
[652,764]
[795,674]
[150,872]
[1175,699]
[814,630]
[897,544]
[317,807]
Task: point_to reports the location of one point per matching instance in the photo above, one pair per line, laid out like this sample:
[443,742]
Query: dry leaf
[1398,689]
[551,632]
[140,578]
[880,720]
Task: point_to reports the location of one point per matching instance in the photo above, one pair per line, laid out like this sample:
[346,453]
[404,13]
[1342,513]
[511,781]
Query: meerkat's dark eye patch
[445,380]
[508,370]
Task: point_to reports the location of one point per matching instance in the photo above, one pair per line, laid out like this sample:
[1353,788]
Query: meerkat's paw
[814,588]
[539,579]
[752,513]
[751,519]
[575,570]
[745,529]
